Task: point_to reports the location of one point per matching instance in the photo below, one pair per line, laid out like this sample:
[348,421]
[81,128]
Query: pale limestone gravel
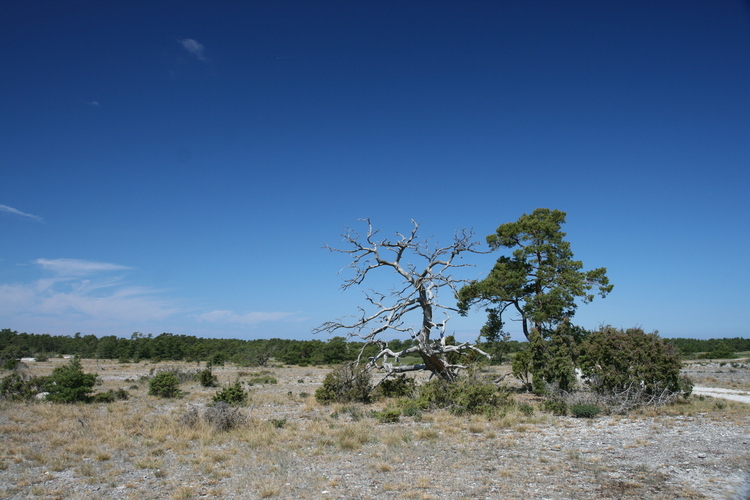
[560,458]
[730,394]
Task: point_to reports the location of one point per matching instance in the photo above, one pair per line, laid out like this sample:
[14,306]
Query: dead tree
[422,271]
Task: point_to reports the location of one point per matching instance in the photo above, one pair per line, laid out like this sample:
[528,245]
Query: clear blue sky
[178,166]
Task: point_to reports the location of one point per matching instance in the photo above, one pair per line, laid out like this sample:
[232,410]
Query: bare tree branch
[423,269]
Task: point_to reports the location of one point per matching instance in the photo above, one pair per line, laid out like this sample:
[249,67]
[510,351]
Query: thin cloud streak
[11,210]
[194,48]
[77,267]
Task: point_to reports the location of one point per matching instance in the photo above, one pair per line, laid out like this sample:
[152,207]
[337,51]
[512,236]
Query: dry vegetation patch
[289,446]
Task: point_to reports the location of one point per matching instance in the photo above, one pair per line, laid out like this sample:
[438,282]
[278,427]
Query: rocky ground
[292,447]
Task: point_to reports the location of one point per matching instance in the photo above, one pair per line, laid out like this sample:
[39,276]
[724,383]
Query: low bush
[68,383]
[110,396]
[232,395]
[396,387]
[11,363]
[345,384]
[465,396]
[556,406]
[221,416]
[164,385]
[19,386]
[584,410]
[388,415]
[278,423]
[632,368]
[526,409]
[224,417]
[264,379]
[206,378]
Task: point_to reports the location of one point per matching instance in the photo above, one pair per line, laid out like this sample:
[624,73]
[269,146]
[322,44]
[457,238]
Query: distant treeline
[715,348]
[170,347]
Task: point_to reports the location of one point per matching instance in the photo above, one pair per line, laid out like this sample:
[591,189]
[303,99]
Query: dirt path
[731,394]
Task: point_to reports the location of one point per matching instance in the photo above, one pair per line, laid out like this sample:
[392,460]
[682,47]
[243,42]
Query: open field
[292,447]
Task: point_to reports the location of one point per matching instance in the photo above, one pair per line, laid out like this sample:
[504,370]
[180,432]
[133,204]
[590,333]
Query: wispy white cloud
[65,303]
[11,210]
[252,318]
[194,48]
[77,267]
[81,293]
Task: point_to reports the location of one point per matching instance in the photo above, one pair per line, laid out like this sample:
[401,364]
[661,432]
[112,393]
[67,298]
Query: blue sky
[178,166]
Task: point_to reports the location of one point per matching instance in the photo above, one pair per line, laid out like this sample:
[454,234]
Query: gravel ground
[129,450]
[730,394]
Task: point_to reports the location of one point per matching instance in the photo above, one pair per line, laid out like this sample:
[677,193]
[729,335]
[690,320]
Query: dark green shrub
[396,387]
[164,385]
[264,379]
[584,410]
[345,384]
[232,395]
[68,383]
[526,409]
[388,415]
[19,387]
[633,364]
[207,378]
[110,396]
[278,423]
[218,359]
[465,396]
[103,397]
[11,364]
[521,367]
[721,351]
[556,407]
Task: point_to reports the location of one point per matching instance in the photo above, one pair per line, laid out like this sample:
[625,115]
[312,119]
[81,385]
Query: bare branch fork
[423,270]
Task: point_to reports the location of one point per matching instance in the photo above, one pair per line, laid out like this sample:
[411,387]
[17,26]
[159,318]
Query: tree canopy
[539,281]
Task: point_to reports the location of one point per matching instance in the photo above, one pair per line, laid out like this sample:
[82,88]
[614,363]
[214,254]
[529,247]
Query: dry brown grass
[139,448]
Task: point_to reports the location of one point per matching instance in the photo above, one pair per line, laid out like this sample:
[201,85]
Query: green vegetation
[233,395]
[18,386]
[170,347]
[615,361]
[540,283]
[347,383]
[262,380]
[164,385]
[581,410]
[207,378]
[68,383]
[466,396]
[711,348]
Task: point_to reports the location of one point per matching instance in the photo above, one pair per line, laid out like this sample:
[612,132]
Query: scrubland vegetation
[414,439]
